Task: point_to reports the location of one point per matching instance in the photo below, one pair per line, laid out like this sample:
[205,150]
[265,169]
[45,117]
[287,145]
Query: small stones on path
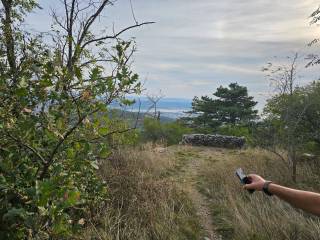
[160,150]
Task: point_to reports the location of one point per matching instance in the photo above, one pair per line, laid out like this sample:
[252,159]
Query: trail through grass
[226,211]
[183,192]
[189,162]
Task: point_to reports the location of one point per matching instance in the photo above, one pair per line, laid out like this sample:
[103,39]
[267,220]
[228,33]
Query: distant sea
[169,107]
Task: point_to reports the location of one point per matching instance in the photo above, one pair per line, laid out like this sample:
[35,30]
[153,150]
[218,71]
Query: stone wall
[213,140]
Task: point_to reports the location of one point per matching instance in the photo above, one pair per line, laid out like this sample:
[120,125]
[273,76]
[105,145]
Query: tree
[313,58]
[54,129]
[154,100]
[231,105]
[286,126]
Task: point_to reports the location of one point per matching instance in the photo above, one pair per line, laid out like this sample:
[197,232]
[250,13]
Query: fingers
[253,176]
[257,182]
[248,186]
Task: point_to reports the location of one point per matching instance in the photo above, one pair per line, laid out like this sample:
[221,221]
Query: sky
[196,46]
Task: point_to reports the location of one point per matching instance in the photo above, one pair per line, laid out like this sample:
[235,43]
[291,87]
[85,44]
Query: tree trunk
[8,35]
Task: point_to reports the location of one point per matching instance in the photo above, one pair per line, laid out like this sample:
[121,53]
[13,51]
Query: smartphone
[244,179]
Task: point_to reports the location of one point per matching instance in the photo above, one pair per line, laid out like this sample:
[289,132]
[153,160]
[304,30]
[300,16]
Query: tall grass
[239,215]
[142,204]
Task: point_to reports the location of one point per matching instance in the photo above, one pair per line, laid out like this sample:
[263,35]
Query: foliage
[291,122]
[54,128]
[238,131]
[231,105]
[155,131]
[314,58]
[290,115]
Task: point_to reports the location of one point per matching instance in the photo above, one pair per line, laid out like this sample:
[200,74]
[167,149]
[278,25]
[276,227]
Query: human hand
[257,182]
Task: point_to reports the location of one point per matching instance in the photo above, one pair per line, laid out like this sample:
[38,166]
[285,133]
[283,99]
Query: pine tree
[230,105]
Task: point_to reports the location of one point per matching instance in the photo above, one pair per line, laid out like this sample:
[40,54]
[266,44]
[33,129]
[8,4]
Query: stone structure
[213,140]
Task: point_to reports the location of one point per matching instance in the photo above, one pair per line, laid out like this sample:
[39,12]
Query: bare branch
[70,36]
[87,24]
[95,61]
[115,35]
[154,99]
[132,11]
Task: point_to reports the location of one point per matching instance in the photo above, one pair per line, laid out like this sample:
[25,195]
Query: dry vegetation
[239,215]
[144,202]
[149,196]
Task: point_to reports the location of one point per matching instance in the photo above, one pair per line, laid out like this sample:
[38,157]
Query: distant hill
[132,117]
[170,108]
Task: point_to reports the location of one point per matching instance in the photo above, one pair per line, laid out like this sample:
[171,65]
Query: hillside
[209,201]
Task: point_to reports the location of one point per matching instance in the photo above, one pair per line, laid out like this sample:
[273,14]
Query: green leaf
[14,213]
[70,153]
[78,72]
[21,92]
[46,83]
[72,197]
[103,130]
[94,164]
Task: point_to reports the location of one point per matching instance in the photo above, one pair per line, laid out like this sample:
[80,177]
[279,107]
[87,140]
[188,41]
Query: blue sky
[196,46]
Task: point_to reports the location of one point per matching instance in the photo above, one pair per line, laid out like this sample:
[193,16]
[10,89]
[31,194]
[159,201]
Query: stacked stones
[213,140]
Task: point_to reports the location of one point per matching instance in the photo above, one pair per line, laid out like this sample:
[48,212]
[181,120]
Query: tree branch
[62,140]
[27,147]
[115,35]
[8,35]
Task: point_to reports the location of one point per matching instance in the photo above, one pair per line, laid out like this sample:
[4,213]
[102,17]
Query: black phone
[244,179]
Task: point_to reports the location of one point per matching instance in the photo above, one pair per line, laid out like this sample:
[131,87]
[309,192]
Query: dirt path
[189,176]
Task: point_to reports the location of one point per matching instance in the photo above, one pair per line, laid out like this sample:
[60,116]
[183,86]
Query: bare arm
[307,201]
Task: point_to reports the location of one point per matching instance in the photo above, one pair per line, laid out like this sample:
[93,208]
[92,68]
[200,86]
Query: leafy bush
[236,130]
[171,133]
[54,126]
[291,124]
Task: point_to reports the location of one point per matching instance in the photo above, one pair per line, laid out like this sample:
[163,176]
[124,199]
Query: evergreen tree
[230,105]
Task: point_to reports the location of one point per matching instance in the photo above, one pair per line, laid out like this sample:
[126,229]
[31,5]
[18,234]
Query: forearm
[307,201]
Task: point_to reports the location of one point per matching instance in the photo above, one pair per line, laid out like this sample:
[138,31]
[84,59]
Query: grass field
[185,192]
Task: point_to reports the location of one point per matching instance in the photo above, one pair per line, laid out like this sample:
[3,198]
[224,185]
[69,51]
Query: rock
[307,157]
[213,140]
[159,149]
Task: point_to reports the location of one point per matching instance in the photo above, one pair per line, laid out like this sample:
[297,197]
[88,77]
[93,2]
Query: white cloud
[195,46]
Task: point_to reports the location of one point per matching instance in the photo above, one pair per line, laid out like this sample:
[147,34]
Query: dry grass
[148,196]
[239,215]
[144,202]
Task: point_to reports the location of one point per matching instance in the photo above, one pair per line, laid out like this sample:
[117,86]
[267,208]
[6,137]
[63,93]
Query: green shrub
[153,130]
[54,126]
[236,130]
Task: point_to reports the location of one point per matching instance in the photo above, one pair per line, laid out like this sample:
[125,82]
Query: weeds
[239,215]
[143,204]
